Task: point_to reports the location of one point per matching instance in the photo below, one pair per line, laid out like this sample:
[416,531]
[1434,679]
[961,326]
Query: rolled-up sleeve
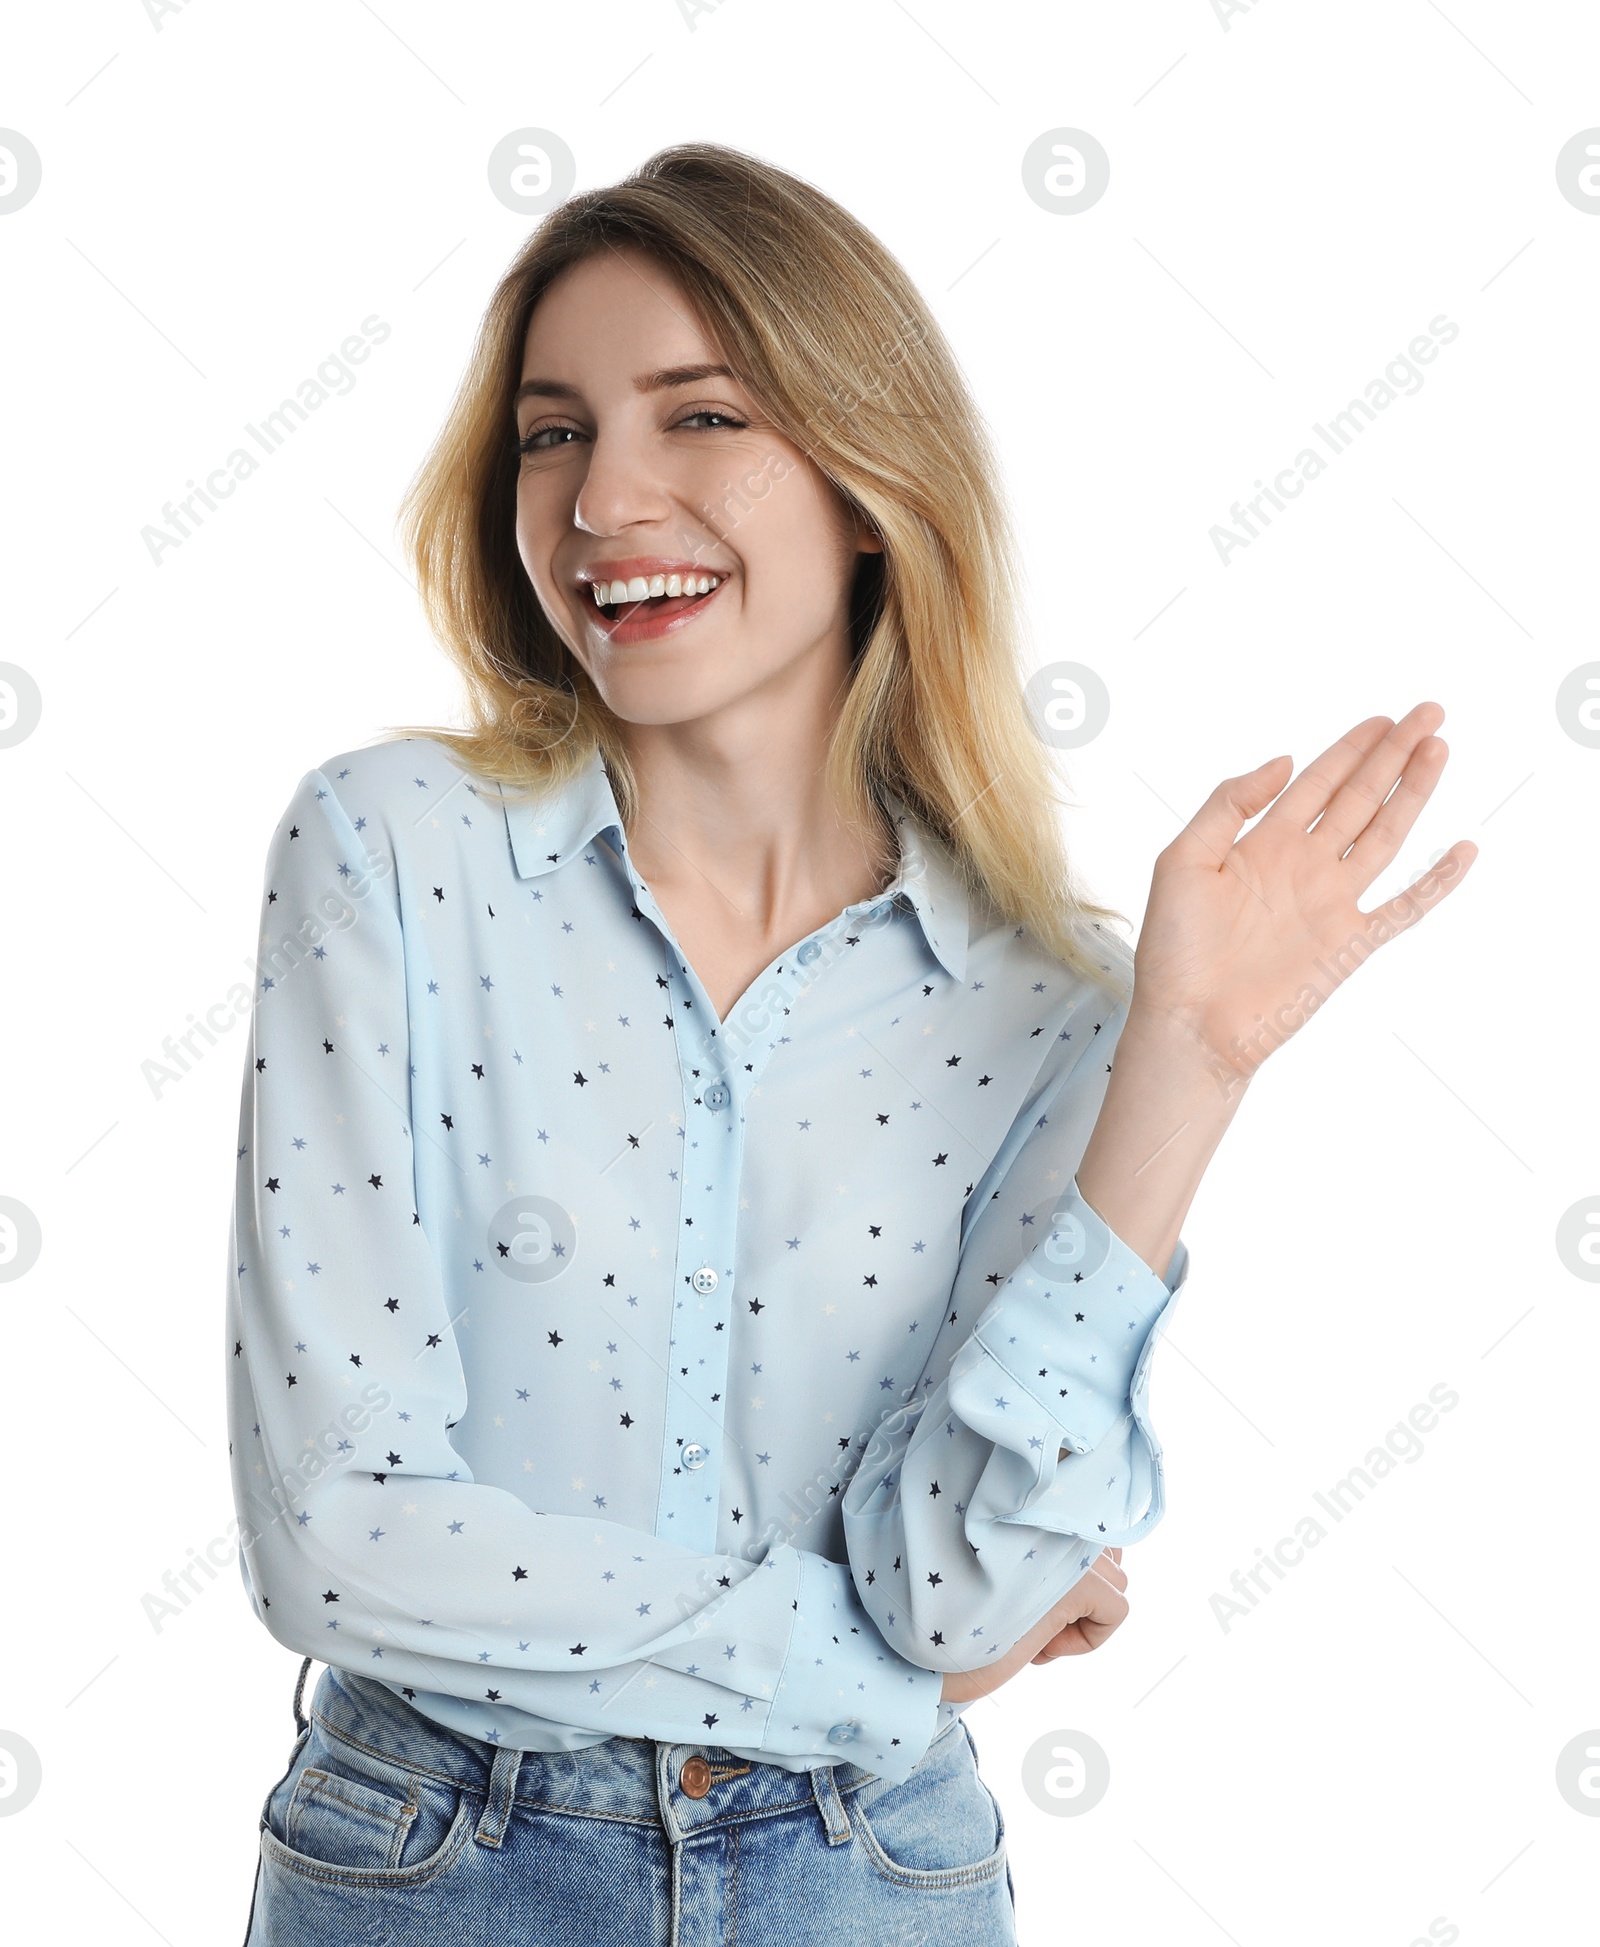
[1030,1448]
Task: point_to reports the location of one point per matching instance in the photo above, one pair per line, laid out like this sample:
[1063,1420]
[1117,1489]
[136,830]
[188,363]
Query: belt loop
[830,1805]
[502,1790]
[301,1721]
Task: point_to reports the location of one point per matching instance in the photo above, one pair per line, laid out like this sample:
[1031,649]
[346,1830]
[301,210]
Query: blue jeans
[387,1830]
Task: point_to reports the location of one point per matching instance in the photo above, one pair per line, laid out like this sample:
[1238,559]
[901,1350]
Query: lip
[639,623]
[627,566]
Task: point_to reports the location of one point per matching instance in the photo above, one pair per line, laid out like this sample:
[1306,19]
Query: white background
[1294,195]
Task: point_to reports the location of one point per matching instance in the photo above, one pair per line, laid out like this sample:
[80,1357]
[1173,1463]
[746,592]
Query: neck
[734,810]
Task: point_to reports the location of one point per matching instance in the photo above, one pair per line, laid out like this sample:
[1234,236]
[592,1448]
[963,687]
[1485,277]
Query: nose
[621,487]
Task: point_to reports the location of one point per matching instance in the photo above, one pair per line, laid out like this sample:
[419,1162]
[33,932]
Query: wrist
[1169,1102]
[1172,1045]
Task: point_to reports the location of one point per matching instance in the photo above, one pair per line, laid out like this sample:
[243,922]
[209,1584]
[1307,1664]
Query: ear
[867,538]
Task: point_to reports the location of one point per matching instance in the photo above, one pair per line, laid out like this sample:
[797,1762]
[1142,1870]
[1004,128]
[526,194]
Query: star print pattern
[598,1366]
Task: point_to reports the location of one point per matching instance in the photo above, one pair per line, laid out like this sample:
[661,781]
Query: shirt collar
[545,834]
[934,888]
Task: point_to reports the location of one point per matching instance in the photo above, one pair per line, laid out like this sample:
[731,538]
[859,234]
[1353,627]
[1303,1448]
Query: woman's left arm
[1028,1448]
[1243,940]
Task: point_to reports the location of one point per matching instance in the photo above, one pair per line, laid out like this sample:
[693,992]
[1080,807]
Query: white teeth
[639,588]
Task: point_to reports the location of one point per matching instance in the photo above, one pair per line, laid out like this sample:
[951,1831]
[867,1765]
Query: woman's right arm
[366,1541]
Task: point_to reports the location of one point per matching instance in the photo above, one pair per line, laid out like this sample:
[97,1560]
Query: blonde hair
[832,337]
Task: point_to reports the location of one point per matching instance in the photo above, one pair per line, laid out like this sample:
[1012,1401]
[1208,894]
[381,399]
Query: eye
[704,413]
[545,439]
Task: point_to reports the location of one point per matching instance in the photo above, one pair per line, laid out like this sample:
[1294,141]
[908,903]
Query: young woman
[697,1260]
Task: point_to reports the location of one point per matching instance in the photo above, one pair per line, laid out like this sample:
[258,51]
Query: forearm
[1167,1106]
[971,1514]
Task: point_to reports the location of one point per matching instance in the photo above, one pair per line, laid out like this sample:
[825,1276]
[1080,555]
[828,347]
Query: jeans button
[695,1777]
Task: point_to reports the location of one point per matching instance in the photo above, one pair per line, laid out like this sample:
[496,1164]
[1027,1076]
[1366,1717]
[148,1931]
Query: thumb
[1236,800]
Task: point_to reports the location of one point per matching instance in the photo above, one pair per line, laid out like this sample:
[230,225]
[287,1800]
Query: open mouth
[653,597]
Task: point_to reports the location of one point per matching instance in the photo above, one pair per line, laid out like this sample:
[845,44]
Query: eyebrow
[663,381]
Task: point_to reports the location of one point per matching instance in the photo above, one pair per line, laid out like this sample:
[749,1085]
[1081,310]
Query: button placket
[716,1082]
[691,1489]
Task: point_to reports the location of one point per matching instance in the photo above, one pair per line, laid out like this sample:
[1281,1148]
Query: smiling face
[651,478]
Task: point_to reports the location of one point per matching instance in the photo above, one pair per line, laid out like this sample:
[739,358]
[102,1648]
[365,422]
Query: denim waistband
[633,1780]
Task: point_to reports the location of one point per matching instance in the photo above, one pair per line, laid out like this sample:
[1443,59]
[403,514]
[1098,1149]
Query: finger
[1071,1642]
[1308,795]
[1113,1574]
[1104,1580]
[1358,800]
[1096,1600]
[1102,1573]
[1395,915]
[1086,1634]
[1378,844]
[1104,1608]
[1209,834]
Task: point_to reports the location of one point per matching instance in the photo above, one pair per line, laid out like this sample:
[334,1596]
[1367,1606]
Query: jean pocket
[941,1827]
[336,1825]
[347,1823]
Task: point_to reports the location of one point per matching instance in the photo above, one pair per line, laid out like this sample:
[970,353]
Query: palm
[1245,936]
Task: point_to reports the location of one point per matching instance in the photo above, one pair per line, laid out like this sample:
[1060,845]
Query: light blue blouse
[599,1367]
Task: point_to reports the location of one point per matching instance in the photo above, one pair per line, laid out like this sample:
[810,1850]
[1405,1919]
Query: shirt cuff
[843,1691]
[1075,1325]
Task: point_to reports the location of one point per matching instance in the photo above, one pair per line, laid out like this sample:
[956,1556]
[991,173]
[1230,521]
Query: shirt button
[716,1097]
[845,1733]
[808,951]
[705,1279]
[694,1455]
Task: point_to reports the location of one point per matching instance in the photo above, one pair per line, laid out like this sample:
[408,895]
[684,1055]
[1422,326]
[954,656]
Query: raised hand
[1245,937]
[1243,940]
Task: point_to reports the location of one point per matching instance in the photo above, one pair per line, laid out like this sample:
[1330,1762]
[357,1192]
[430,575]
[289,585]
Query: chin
[663,696]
